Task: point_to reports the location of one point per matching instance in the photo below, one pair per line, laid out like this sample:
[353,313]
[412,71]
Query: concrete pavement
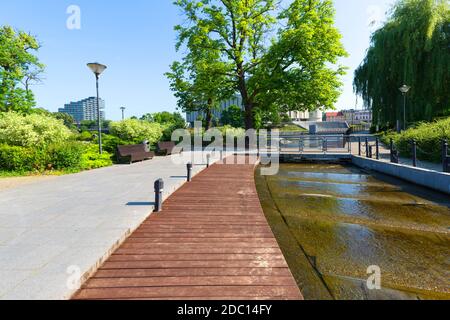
[55,231]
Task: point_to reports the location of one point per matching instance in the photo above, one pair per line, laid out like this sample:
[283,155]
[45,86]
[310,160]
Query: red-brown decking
[212,241]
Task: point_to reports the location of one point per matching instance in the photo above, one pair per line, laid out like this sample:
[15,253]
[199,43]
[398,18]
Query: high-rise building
[85,109]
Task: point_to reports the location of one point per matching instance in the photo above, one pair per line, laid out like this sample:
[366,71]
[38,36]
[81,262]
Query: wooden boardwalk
[211,241]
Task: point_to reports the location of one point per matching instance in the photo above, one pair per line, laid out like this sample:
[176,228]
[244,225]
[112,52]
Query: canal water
[334,221]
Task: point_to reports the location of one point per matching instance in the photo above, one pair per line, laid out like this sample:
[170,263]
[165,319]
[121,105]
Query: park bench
[166,148]
[133,153]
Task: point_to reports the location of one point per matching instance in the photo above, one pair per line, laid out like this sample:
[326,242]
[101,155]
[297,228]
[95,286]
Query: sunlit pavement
[52,231]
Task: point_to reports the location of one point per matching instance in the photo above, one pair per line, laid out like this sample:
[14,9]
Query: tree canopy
[199,81]
[19,68]
[233,116]
[270,55]
[412,48]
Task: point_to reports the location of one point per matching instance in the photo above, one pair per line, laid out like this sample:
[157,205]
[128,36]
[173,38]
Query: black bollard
[444,152]
[189,171]
[445,157]
[159,189]
[378,148]
[367,147]
[414,153]
[325,145]
[359,146]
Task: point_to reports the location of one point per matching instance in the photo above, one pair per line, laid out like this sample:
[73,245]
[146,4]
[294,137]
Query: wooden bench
[166,148]
[133,153]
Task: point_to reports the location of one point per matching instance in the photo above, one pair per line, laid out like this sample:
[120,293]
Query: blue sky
[136,40]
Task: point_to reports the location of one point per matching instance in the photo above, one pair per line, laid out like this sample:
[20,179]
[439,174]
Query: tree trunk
[248,104]
[209,116]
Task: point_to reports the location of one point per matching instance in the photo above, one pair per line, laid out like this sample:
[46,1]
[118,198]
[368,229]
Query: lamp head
[404,89]
[97,68]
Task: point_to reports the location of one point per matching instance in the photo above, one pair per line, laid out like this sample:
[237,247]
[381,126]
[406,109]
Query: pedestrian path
[55,231]
[211,241]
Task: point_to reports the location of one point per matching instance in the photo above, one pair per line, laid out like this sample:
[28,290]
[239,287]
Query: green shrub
[85,136]
[65,155]
[13,158]
[137,131]
[429,137]
[111,142]
[91,159]
[32,130]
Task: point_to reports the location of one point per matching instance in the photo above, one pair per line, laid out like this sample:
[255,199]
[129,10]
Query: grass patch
[292,128]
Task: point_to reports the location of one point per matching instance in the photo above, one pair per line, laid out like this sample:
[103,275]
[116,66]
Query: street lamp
[404,90]
[97,69]
[123,112]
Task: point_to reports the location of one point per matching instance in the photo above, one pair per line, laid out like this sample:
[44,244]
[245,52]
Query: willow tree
[412,48]
[281,57]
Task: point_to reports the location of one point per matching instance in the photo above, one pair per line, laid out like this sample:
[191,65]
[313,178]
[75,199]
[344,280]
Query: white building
[311,116]
[358,116]
[84,110]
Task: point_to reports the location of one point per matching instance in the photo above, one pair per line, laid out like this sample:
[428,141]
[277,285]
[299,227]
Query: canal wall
[438,181]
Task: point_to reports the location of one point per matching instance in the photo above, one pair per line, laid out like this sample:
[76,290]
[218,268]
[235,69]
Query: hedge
[429,137]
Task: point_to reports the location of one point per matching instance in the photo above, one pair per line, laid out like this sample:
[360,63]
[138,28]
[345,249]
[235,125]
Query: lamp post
[123,112]
[404,90]
[97,69]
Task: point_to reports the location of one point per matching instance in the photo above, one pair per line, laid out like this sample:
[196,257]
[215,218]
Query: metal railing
[314,143]
[445,157]
[395,154]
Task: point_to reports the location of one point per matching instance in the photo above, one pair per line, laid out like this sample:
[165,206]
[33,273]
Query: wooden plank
[198,250]
[211,241]
[190,291]
[194,264]
[196,257]
[188,281]
[192,272]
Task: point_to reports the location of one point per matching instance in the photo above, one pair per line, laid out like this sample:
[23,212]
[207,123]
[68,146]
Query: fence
[445,157]
[395,154]
[314,143]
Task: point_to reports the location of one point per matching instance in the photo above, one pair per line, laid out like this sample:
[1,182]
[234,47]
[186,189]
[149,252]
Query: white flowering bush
[32,130]
[137,130]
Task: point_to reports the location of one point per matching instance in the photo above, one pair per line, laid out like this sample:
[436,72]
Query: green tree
[200,81]
[169,122]
[19,68]
[277,57]
[91,125]
[147,117]
[166,118]
[233,116]
[67,119]
[412,48]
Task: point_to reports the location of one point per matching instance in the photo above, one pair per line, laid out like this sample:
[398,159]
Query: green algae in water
[357,220]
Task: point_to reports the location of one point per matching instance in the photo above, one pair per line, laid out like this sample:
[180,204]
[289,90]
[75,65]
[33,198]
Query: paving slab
[51,229]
